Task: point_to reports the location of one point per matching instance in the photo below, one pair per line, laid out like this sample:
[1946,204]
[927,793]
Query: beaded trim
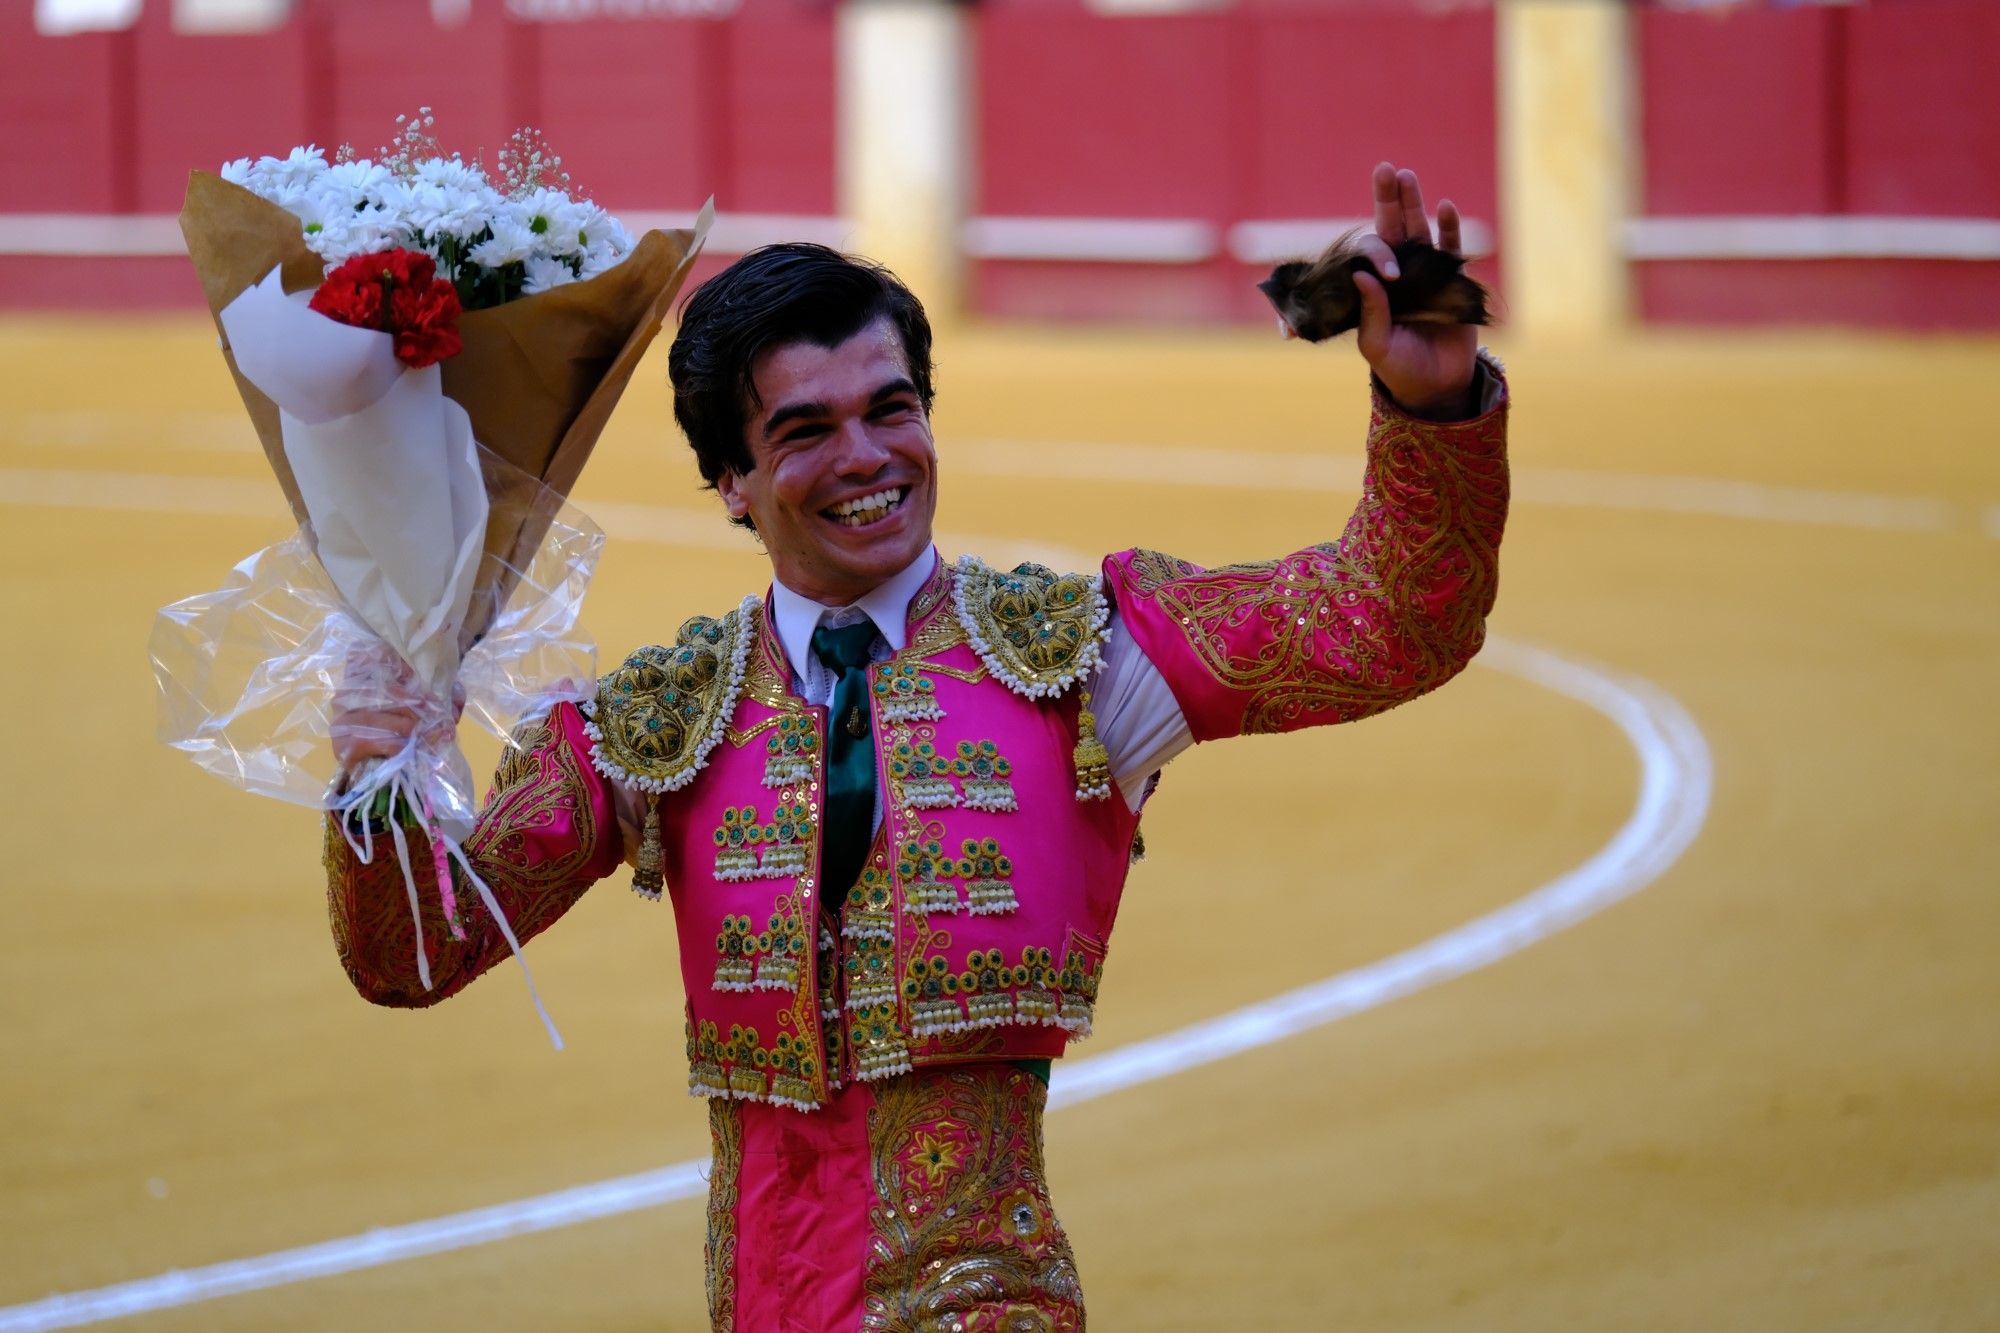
[656,718]
[1037,631]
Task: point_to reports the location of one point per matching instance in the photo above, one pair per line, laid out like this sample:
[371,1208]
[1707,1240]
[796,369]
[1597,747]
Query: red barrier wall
[62,102]
[1884,109]
[1221,118]
[648,113]
[1266,111]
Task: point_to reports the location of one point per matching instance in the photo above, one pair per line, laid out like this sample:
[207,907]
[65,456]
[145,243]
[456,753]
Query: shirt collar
[887,604]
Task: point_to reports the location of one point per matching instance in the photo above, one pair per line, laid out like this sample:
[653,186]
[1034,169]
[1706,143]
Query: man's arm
[548,831]
[1341,631]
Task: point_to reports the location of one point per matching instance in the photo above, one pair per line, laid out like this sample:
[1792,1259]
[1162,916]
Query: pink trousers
[916,1204]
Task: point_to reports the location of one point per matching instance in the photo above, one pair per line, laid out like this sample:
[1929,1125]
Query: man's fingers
[1448,227]
[1388,204]
[1410,200]
[1377,252]
[1375,322]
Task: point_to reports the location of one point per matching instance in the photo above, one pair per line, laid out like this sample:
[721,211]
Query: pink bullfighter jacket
[979,925]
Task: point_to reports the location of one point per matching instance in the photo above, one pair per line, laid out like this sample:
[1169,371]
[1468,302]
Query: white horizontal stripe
[1272,240]
[1099,240]
[740,233]
[104,234]
[1805,237]
[1675,783]
[109,235]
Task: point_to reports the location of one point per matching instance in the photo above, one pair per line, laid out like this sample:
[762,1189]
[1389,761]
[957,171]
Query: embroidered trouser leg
[915,1205]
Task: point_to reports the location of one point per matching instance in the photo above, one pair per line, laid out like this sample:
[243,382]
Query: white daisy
[544,273]
[511,243]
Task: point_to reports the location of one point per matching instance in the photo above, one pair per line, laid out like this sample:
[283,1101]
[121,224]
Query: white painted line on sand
[1237,469]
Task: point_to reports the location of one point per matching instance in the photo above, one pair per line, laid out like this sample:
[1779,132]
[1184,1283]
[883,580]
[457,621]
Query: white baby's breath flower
[511,243]
[544,273]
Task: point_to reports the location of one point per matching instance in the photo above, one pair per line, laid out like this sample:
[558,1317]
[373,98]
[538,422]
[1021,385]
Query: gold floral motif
[791,755]
[725,1130]
[985,990]
[749,848]
[1036,630]
[963,1236]
[769,959]
[657,716]
[937,882]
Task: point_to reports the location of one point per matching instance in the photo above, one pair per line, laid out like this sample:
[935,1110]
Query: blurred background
[1747,258]
[1700,162]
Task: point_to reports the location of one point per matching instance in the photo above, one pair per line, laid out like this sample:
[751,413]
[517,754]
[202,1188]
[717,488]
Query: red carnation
[398,292]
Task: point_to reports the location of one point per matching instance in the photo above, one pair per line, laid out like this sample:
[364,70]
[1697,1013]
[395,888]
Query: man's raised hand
[1426,367]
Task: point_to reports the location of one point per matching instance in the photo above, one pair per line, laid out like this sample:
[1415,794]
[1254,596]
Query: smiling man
[893,801]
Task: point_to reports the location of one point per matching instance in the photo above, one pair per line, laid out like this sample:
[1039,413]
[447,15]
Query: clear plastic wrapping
[255,677]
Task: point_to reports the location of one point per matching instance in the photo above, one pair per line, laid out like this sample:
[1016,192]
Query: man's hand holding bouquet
[429,356]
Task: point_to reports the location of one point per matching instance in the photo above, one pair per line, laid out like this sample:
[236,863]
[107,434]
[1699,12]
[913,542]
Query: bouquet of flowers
[428,356]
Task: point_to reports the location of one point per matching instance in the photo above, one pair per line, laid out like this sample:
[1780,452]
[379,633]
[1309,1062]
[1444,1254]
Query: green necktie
[847,824]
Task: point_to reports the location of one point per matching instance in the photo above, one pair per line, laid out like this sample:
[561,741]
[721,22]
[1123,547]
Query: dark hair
[795,292]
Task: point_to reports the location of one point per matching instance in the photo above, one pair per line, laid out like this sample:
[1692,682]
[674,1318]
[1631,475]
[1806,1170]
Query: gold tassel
[1093,761]
[647,874]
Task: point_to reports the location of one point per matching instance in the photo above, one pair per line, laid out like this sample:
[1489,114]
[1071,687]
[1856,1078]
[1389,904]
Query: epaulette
[657,716]
[1037,631]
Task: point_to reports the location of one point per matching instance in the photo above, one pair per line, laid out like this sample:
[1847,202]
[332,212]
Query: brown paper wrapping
[539,376]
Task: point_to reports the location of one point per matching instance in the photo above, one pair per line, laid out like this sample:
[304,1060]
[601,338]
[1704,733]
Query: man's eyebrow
[891,389]
[791,412]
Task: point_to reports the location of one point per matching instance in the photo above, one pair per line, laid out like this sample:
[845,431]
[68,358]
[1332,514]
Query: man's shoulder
[655,718]
[1037,630]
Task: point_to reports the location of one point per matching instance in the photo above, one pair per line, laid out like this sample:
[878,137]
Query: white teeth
[867,508]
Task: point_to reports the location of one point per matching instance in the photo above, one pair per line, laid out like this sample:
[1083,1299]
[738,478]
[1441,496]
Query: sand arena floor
[1762,1093]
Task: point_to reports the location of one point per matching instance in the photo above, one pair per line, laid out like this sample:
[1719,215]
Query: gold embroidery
[764,677]
[739,739]
[932,879]
[725,1129]
[987,991]
[1342,631]
[931,636]
[537,783]
[770,959]
[1037,631]
[657,716]
[978,776]
[904,694]
[792,755]
[963,1233]
[746,848]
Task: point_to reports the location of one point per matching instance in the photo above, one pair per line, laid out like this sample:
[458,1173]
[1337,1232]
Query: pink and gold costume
[877,1140]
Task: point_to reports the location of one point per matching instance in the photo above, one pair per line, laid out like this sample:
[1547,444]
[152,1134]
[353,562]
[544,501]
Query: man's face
[845,482]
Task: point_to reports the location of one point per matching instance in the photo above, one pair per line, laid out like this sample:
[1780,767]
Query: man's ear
[730,487]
